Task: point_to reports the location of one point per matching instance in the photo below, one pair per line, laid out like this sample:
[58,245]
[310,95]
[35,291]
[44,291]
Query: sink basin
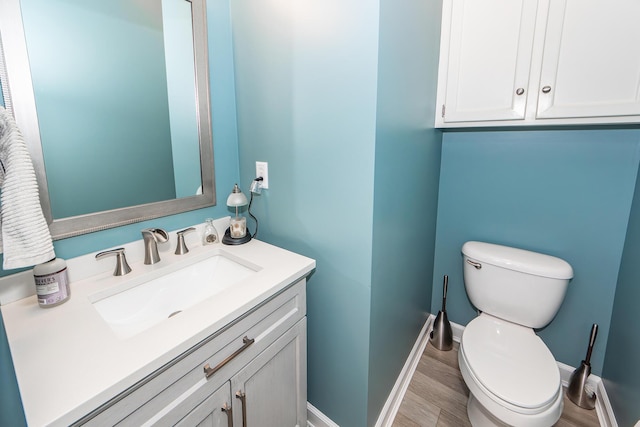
[149,301]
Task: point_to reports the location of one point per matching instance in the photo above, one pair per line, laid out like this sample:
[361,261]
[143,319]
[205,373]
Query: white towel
[25,238]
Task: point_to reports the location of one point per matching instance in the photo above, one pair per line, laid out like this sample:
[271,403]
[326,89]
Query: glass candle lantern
[238,227]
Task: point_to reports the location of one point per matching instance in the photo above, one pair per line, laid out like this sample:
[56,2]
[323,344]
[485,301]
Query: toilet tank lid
[518,259]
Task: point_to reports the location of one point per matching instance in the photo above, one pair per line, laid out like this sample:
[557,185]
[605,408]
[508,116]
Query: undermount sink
[145,302]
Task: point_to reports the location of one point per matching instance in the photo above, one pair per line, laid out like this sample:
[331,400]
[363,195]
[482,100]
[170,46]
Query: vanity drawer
[224,352]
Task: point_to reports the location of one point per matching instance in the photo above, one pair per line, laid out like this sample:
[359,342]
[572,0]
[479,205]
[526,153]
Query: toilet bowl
[512,376]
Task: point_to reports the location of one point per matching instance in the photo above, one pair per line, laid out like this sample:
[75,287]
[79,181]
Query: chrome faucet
[153,236]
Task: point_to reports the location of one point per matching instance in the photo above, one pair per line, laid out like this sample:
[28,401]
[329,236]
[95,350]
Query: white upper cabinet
[488,60]
[591,59]
[539,62]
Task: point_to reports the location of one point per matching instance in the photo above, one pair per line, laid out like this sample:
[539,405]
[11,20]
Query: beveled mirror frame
[19,99]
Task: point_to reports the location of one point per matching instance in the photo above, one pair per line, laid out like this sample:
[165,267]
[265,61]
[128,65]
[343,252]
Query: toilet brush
[441,336]
[578,391]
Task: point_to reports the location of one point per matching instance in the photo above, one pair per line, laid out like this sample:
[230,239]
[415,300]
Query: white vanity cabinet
[268,392]
[539,62]
[251,373]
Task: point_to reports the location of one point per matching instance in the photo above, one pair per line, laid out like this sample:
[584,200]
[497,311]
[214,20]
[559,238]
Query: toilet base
[479,416]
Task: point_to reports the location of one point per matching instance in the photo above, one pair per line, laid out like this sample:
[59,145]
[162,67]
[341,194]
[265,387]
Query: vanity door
[271,391]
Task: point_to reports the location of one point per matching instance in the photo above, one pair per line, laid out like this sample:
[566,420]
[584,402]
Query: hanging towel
[25,238]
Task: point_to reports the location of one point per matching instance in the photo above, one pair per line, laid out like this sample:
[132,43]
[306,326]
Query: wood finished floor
[437,396]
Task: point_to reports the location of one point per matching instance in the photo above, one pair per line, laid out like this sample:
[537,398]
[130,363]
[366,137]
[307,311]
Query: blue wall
[226,163]
[621,369]
[566,193]
[321,98]
[407,167]
[306,96]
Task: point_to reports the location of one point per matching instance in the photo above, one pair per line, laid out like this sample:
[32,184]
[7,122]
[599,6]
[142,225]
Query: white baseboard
[603,407]
[315,418]
[391,406]
[457,331]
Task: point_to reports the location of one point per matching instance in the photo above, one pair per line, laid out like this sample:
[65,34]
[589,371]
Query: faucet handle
[181,247]
[122,267]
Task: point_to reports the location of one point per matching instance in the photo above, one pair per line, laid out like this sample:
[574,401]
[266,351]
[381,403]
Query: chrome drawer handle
[208,370]
[475,265]
[227,410]
[243,400]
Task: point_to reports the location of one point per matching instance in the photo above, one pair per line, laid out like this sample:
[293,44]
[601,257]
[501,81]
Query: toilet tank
[520,286]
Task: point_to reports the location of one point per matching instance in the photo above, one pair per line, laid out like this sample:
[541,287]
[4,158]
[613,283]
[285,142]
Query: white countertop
[67,359]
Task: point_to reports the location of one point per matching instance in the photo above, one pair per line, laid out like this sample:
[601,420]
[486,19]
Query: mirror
[112,97]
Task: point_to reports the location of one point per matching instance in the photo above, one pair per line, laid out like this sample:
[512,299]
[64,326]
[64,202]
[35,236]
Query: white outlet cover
[262,170]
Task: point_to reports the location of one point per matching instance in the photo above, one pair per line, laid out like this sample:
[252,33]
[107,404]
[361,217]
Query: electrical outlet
[262,170]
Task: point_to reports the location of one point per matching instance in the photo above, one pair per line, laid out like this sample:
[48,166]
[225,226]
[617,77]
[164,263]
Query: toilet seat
[510,364]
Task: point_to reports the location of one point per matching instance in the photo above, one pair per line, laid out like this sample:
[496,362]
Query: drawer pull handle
[208,370]
[227,410]
[243,400]
[546,89]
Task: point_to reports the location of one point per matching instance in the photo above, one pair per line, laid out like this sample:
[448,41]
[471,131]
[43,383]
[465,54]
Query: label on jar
[47,288]
[53,288]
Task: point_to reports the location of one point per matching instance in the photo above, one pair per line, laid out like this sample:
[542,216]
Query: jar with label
[52,283]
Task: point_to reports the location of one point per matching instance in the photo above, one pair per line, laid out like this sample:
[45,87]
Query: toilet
[513,378]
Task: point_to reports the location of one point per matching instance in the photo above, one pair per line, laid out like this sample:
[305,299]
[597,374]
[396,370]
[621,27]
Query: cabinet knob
[546,89]
[519,91]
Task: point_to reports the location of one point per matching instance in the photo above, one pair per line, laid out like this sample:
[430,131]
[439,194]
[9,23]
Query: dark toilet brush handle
[444,292]
[592,341]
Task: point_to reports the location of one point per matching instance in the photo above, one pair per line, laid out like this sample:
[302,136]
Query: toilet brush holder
[442,336]
[578,391]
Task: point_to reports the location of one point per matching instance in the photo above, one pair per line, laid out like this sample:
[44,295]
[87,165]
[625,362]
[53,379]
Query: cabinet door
[488,58]
[271,391]
[591,59]
[215,411]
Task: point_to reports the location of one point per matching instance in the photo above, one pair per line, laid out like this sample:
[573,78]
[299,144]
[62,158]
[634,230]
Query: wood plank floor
[437,396]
